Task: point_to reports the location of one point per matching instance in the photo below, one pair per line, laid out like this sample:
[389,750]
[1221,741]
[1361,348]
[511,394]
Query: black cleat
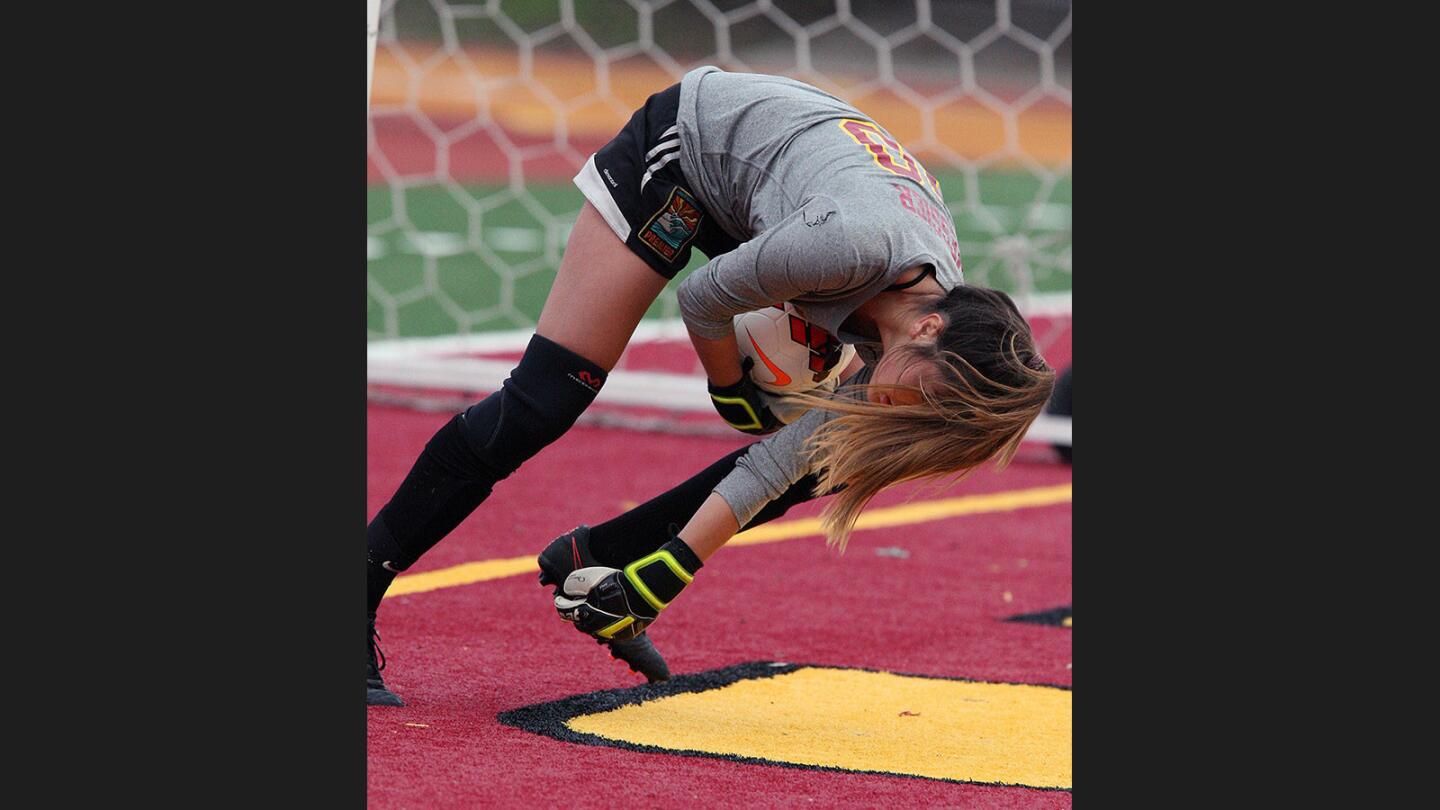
[568,552]
[640,655]
[376,694]
[571,551]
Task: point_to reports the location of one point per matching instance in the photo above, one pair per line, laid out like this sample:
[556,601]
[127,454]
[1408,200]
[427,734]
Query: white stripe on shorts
[673,143]
[592,185]
[655,167]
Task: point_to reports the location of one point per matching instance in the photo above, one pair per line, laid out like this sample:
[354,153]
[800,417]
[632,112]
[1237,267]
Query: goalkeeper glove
[740,404]
[615,605]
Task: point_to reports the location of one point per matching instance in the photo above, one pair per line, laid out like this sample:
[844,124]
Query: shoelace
[375,645]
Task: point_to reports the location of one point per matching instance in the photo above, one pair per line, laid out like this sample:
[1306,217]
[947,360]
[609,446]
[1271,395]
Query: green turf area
[447,259]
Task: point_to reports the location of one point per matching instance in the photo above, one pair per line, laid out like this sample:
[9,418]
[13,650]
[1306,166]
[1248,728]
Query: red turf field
[459,656]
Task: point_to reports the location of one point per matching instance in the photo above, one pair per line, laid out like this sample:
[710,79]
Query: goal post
[372,32]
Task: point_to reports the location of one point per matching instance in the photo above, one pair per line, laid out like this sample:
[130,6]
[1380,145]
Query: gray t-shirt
[829,208]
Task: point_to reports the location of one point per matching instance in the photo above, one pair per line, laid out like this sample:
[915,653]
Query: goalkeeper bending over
[795,196]
[903,419]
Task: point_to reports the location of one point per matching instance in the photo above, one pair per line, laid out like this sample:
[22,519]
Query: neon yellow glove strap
[632,573]
[754,417]
[609,632]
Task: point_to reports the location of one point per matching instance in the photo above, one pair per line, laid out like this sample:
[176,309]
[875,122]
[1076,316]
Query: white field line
[431,363]
[1049,429]
[647,389]
[510,340]
[1045,305]
[633,388]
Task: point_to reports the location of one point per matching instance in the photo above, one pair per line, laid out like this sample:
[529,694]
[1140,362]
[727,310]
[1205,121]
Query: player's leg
[594,314]
[613,268]
[616,262]
[599,295]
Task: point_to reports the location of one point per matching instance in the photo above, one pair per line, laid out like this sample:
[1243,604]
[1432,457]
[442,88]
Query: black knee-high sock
[538,403]
[632,535]
[440,491]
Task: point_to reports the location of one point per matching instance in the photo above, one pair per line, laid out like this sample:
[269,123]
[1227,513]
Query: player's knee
[544,395]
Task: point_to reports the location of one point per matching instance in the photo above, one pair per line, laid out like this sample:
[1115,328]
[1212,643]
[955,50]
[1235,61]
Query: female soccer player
[795,196]
[927,409]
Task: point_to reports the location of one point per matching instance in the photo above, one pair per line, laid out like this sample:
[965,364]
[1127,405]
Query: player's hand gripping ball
[788,354]
[615,605]
[743,405]
[596,601]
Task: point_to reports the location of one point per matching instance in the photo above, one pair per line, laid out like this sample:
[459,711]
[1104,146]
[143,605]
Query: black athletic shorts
[636,184]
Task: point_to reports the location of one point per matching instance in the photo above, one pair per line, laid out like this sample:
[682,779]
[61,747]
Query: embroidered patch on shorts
[674,225]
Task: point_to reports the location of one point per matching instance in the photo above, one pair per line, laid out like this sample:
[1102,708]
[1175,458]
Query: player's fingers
[567,607]
[594,622]
[581,580]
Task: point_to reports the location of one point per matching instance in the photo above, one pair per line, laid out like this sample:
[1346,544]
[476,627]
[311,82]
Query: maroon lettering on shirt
[936,217]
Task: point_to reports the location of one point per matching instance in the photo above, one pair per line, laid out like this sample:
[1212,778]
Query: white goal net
[482,112]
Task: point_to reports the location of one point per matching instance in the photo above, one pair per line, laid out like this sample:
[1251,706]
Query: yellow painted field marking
[909,513]
[943,729]
[905,514]
[462,574]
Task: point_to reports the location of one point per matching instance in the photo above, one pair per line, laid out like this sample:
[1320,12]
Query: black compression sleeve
[632,535]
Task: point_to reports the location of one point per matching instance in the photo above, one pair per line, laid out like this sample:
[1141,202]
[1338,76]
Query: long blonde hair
[990,386]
